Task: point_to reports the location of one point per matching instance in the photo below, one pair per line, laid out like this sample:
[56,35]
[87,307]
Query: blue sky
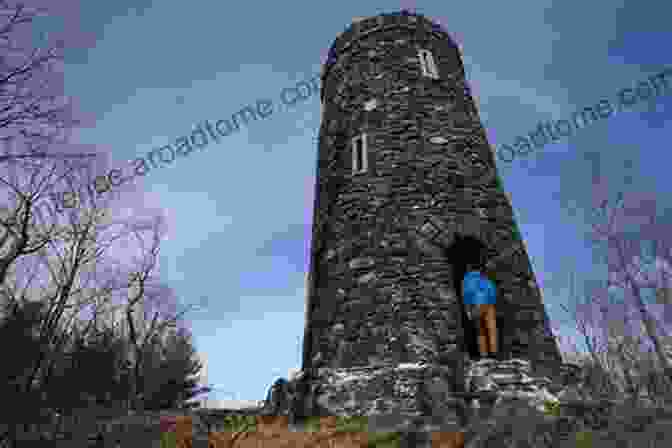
[240,211]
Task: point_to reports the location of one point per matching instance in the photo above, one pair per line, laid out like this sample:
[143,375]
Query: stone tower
[407,191]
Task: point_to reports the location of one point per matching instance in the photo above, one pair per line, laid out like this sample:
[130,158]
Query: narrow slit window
[359,162]
[427,64]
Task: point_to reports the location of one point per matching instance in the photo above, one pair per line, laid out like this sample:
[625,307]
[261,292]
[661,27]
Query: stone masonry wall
[381,288]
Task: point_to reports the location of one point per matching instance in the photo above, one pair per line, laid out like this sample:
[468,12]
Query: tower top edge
[404,17]
[361,26]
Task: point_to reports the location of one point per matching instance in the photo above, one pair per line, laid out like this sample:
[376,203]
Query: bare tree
[586,313]
[35,118]
[624,253]
[84,289]
[152,307]
[625,335]
[31,101]
[68,263]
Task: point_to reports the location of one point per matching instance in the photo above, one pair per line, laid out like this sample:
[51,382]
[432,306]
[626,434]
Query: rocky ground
[504,404]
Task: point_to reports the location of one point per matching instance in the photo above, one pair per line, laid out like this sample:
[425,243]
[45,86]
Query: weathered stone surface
[506,403]
[278,398]
[393,396]
[511,380]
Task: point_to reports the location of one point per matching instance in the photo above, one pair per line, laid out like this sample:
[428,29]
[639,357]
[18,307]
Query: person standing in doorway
[479,294]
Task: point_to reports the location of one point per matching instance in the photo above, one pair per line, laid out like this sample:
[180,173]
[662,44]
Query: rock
[296,375]
[277,399]
[511,381]
[570,393]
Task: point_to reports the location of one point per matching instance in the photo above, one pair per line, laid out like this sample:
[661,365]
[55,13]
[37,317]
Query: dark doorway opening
[465,250]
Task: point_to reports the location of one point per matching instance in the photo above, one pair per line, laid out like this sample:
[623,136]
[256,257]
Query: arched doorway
[464,250]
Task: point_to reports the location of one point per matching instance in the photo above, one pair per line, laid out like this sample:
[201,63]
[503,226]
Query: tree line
[85,317]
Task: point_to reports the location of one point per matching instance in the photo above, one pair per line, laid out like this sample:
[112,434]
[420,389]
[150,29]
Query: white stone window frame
[359,151]
[427,63]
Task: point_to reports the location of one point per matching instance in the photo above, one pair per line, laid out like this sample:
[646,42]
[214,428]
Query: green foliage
[19,336]
[584,439]
[352,424]
[235,422]
[21,347]
[94,364]
[552,408]
[356,424]
[343,424]
[497,182]
[171,378]
[312,424]
[168,439]
[384,440]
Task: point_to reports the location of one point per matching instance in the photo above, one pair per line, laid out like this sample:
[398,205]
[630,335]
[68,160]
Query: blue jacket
[478,289]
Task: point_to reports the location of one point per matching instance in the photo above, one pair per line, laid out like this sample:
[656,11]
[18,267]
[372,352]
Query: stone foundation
[393,397]
[421,397]
[511,380]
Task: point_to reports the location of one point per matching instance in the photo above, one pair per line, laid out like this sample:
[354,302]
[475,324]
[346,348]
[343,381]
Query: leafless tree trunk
[34,118]
[143,289]
[31,104]
[64,261]
[635,245]
[624,258]
[583,314]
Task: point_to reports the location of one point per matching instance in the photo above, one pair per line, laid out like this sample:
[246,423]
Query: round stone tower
[407,191]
